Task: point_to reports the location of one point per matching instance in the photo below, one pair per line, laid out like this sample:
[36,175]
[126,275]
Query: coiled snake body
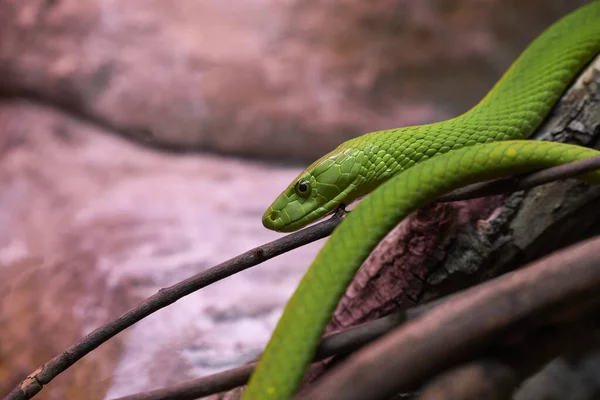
[406,168]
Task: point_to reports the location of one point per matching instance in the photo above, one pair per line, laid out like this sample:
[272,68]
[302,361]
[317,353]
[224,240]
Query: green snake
[423,162]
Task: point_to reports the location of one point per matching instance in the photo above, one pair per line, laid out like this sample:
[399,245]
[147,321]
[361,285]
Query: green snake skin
[484,146]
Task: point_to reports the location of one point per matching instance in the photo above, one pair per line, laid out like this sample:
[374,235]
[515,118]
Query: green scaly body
[475,146]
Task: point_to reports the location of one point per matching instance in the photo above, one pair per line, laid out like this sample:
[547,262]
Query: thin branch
[166,296]
[43,375]
[201,387]
[344,341]
[414,352]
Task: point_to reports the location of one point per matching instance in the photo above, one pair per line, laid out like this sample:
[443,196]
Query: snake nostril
[274,215]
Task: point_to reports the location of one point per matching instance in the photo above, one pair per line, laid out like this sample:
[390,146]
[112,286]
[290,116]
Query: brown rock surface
[268,79]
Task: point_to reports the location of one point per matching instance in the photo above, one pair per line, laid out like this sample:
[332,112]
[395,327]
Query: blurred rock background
[141,141]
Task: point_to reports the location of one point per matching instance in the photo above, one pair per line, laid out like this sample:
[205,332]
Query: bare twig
[342,342]
[166,296]
[201,387]
[43,375]
[413,352]
[345,341]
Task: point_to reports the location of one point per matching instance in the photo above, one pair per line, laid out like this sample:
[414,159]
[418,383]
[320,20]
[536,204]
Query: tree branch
[345,341]
[43,375]
[414,352]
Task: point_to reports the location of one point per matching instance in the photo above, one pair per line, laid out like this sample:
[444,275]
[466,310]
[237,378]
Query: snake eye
[303,188]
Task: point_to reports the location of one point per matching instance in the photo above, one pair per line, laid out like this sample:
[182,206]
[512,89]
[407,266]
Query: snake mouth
[272,220]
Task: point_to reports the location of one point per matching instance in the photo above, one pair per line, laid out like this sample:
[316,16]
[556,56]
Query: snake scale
[403,169]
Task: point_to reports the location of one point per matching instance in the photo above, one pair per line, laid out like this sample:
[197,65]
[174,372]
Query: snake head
[327,183]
